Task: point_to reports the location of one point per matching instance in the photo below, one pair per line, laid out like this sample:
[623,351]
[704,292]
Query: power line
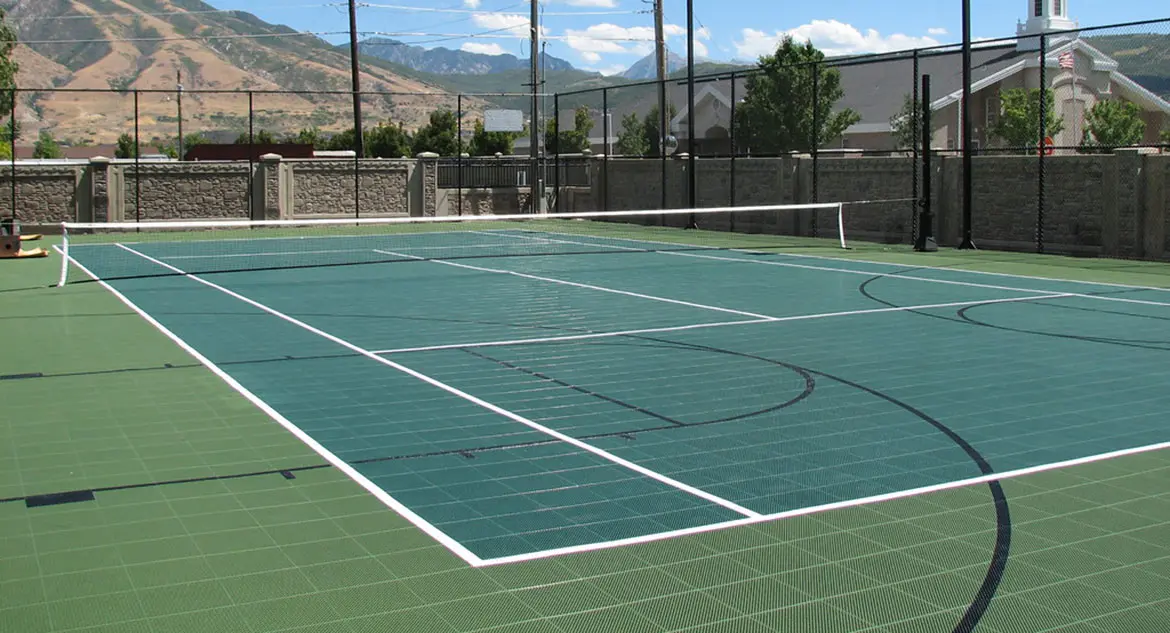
[491,34]
[398,7]
[92,16]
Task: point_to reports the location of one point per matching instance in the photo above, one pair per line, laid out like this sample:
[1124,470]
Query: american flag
[1067,60]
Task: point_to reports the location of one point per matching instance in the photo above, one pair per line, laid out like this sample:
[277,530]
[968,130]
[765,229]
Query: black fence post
[251,152]
[967,242]
[556,154]
[459,154]
[734,152]
[605,157]
[12,133]
[925,241]
[1041,146]
[814,141]
[916,138]
[137,163]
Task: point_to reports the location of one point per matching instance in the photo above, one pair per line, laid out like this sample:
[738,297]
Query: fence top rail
[237,91]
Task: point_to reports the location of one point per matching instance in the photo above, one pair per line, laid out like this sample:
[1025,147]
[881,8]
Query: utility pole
[355,75]
[534,142]
[179,103]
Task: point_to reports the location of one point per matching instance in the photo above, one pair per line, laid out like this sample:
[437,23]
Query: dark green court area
[561,426]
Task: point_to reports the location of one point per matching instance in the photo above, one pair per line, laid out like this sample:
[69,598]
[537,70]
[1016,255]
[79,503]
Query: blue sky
[610,35]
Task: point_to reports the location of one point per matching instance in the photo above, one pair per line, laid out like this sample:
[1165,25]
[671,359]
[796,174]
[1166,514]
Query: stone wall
[184,191]
[326,187]
[45,194]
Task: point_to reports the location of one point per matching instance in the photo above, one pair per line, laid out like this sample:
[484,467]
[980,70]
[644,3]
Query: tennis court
[554,403]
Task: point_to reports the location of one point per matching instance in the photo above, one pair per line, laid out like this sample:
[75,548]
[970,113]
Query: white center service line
[730,505]
[698,326]
[562,282]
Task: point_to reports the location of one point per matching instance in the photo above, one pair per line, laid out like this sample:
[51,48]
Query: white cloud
[938,30]
[610,39]
[471,4]
[515,23]
[831,37]
[482,49]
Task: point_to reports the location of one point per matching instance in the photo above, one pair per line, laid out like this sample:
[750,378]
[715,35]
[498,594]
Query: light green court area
[209,516]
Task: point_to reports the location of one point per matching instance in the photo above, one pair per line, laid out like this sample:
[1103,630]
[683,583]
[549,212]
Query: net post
[841,224]
[926,242]
[64,255]
[965,107]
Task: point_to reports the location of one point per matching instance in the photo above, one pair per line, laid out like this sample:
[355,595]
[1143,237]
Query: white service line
[838,505]
[627,293]
[452,247]
[464,395]
[380,494]
[679,328]
[849,271]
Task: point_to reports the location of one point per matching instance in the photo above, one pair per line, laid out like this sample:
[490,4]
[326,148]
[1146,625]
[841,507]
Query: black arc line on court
[964,319]
[39,499]
[1003,532]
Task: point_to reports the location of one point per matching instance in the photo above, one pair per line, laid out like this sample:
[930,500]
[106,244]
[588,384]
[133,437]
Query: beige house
[1079,74]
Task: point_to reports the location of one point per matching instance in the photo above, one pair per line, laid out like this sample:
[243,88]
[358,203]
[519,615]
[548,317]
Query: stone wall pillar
[268,201]
[1155,213]
[104,207]
[423,199]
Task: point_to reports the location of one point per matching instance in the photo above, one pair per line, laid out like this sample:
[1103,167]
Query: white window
[992,107]
[1057,8]
[1038,8]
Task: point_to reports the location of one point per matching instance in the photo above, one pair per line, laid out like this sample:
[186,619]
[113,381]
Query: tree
[440,135]
[387,141]
[632,139]
[1018,125]
[780,108]
[126,147]
[309,136]
[650,129]
[1111,124]
[46,146]
[484,143]
[263,137]
[341,141]
[8,65]
[572,141]
[906,125]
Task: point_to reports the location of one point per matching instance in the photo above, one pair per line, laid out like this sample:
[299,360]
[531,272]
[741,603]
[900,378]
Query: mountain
[114,47]
[1143,57]
[445,61]
[647,67]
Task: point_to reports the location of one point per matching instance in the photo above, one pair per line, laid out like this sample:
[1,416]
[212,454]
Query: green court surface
[562,426]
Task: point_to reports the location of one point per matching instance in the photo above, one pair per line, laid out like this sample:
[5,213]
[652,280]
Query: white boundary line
[380,494]
[838,259]
[901,494]
[462,394]
[574,284]
[849,271]
[679,328]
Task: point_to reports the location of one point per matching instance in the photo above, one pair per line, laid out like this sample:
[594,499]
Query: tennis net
[106,251]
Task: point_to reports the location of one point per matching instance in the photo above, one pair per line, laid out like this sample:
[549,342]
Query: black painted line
[577,388]
[60,498]
[1002,549]
[35,374]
